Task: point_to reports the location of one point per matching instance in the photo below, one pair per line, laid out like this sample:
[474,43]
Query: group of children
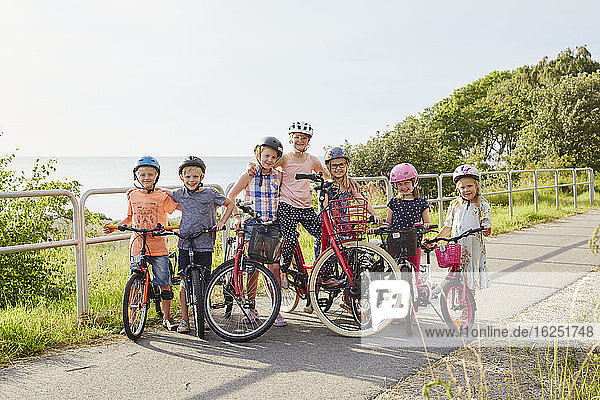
[277,196]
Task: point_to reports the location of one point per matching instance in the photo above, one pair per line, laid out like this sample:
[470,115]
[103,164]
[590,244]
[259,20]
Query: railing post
[591,179]
[535,191]
[556,189]
[440,201]
[83,300]
[574,188]
[510,199]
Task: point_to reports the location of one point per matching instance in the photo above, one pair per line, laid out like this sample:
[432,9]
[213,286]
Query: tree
[566,123]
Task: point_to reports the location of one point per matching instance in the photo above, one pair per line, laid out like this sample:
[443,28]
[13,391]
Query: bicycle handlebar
[419,228]
[158,228]
[245,206]
[456,238]
[312,177]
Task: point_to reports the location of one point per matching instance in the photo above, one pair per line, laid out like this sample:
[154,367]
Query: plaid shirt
[263,190]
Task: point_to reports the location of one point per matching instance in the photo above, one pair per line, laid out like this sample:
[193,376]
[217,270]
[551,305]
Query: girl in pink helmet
[470,210]
[407,208]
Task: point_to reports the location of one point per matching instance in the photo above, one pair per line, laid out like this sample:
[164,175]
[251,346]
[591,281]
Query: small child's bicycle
[139,291]
[457,301]
[243,296]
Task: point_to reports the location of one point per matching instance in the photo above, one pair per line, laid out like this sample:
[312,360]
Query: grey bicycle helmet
[301,127]
[191,161]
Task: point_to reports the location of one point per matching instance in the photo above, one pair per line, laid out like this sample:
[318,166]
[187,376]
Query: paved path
[303,360]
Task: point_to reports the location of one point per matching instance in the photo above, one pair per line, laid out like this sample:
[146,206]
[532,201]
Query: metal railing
[79,229]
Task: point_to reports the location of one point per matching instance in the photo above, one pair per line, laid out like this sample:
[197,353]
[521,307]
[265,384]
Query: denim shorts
[161,274]
[273,230]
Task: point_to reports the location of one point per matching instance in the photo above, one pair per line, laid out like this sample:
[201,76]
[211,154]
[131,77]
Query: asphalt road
[303,360]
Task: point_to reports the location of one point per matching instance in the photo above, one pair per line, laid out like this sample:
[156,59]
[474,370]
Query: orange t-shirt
[146,210]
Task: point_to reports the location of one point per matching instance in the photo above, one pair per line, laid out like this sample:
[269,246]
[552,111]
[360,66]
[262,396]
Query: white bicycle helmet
[301,127]
[465,171]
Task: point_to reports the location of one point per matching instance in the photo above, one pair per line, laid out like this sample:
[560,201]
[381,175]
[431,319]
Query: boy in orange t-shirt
[147,208]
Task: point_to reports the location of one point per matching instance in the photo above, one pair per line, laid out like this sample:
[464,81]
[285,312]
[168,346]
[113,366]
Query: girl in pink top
[295,204]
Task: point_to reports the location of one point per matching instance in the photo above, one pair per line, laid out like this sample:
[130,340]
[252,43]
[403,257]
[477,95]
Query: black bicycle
[195,284]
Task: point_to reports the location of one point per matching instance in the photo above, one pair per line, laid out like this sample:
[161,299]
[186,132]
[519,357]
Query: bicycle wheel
[407,274]
[135,310]
[197,301]
[458,305]
[340,307]
[250,312]
[289,296]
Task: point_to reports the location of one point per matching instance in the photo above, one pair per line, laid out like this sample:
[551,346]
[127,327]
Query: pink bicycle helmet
[465,171]
[404,172]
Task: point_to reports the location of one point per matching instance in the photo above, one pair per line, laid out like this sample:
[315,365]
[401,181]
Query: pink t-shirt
[296,192]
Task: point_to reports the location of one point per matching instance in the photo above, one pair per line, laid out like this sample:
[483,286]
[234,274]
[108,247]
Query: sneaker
[308,309]
[251,317]
[170,324]
[279,321]
[285,283]
[184,327]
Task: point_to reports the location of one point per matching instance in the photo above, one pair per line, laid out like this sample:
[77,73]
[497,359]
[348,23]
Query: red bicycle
[243,297]
[337,284]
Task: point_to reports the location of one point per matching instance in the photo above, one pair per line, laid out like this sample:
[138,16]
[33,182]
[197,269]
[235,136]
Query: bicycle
[243,296]
[457,301]
[195,283]
[139,291]
[334,282]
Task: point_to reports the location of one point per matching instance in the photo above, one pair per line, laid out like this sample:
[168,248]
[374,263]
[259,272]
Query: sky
[211,77]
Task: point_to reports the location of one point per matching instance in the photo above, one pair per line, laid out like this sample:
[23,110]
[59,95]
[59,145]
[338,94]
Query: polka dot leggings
[289,217]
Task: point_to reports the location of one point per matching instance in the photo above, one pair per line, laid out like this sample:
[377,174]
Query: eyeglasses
[338,166]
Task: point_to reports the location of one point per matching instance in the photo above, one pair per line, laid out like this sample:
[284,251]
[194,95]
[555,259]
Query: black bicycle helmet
[271,142]
[191,161]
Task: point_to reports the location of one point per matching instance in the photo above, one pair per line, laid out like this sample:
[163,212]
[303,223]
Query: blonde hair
[192,168]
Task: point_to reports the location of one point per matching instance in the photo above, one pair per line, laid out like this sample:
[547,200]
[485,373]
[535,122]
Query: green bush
[28,275]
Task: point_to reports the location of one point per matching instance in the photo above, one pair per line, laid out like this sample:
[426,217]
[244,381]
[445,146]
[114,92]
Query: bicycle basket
[402,243]
[264,248]
[448,255]
[349,217]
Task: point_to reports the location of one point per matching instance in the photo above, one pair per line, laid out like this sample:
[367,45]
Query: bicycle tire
[331,304]
[197,300]
[135,311]
[406,273]
[458,314]
[289,296]
[229,315]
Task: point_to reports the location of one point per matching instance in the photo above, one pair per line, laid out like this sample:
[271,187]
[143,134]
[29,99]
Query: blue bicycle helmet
[146,161]
[336,152]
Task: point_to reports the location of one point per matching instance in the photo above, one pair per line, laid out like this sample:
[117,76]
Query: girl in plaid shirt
[262,189]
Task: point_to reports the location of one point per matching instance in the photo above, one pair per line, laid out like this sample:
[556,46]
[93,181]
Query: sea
[95,172]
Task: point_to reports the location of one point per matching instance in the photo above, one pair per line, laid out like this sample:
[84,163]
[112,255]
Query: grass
[31,329]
